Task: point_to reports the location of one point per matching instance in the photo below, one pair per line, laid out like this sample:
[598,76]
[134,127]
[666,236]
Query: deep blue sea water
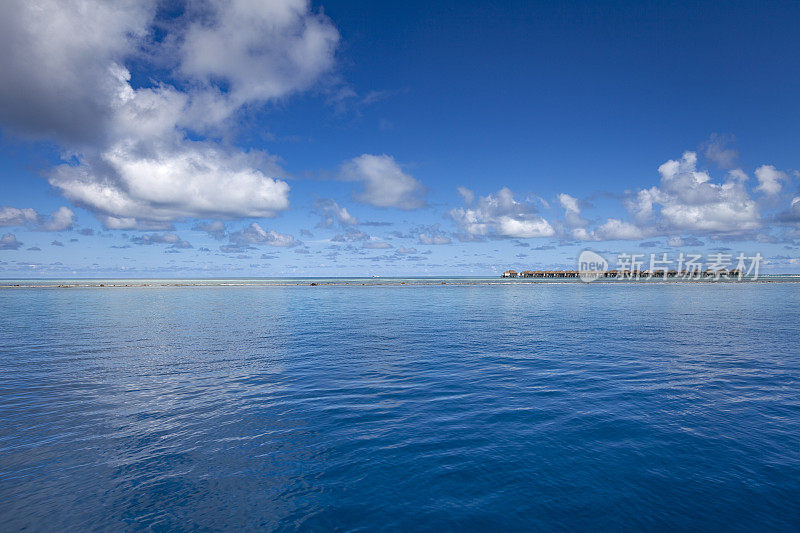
[561,406]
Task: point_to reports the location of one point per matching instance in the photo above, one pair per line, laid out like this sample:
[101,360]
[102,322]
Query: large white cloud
[260,50]
[385,183]
[193,179]
[690,201]
[57,61]
[686,200]
[132,157]
[500,215]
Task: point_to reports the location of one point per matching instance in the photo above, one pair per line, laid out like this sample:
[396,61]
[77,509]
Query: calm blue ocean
[434,407]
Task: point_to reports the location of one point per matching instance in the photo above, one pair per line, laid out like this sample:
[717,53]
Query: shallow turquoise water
[503,406]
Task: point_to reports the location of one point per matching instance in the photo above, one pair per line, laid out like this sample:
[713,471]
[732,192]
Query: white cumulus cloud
[687,199]
[385,184]
[58,61]
[615,229]
[572,217]
[133,157]
[259,50]
[500,215]
[770,180]
[59,220]
[191,180]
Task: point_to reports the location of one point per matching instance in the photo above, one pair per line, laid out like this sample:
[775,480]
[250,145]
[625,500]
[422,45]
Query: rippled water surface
[519,406]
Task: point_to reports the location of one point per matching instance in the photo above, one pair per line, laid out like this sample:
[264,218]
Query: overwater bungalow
[510,274]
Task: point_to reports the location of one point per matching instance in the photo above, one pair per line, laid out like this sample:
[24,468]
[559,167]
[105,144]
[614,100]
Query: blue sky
[238,138]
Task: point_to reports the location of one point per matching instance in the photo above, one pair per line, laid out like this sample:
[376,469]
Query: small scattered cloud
[791,215]
[9,242]
[351,235]
[376,223]
[426,238]
[233,248]
[430,235]
[384,182]
[678,241]
[616,229]
[155,238]
[13,217]
[254,234]
[59,220]
[572,211]
[717,149]
[770,180]
[330,213]
[215,229]
[467,195]
[376,245]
